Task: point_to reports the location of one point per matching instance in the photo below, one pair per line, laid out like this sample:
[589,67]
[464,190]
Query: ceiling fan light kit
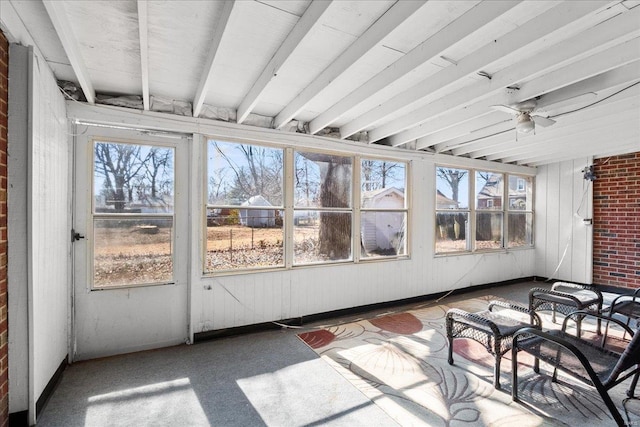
[525,124]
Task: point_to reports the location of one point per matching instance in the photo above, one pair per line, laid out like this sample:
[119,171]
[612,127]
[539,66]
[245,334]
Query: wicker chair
[584,360]
[491,328]
[626,305]
[566,298]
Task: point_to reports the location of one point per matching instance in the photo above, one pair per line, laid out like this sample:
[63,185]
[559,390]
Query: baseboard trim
[19,419]
[300,321]
[51,386]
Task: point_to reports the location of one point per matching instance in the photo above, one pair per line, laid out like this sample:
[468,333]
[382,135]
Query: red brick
[616,206]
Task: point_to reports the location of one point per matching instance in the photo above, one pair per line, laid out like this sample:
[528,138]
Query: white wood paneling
[227,301]
[17,228]
[39,229]
[49,217]
[231,300]
[563,242]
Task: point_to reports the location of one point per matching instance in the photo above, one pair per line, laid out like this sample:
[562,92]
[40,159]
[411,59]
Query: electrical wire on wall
[589,177]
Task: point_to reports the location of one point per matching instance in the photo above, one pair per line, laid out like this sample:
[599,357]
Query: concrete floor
[265,378]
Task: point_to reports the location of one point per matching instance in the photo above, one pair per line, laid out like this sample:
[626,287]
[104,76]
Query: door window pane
[132,178]
[132,251]
[133,206]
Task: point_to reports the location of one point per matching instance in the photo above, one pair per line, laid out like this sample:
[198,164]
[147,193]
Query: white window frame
[289,208]
[404,210]
[93,215]
[472,211]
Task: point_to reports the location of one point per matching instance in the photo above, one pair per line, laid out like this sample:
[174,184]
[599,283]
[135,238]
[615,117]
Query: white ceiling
[420,75]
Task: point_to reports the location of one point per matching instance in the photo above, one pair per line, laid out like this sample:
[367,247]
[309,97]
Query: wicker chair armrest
[584,313]
[516,307]
[457,314]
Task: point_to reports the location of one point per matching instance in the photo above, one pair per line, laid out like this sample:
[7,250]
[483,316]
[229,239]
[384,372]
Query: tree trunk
[335,228]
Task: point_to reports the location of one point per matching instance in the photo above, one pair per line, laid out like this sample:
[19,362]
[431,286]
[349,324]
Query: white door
[131,232]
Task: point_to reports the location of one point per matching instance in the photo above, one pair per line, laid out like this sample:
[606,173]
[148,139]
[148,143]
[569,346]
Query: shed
[257,217]
[382,230]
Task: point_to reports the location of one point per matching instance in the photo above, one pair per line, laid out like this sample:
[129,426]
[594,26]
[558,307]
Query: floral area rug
[399,361]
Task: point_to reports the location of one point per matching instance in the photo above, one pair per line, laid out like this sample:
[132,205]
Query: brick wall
[616,221]
[4,346]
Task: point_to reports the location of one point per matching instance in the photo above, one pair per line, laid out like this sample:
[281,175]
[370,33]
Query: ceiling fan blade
[505,109]
[543,121]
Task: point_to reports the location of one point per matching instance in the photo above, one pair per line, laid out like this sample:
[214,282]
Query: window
[383,214]
[489,215]
[520,213]
[322,209]
[452,210]
[132,214]
[273,207]
[496,224]
[245,213]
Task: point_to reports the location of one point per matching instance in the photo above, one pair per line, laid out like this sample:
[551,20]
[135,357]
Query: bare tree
[452,177]
[376,173]
[259,173]
[156,165]
[118,164]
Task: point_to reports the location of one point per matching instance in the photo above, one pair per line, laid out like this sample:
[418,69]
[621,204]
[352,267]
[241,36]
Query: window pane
[382,180]
[132,251]
[131,178]
[489,230]
[244,175]
[244,238]
[322,236]
[520,193]
[520,229]
[382,233]
[489,190]
[322,180]
[452,188]
[452,231]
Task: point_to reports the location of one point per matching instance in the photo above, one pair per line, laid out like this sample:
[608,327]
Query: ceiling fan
[526,115]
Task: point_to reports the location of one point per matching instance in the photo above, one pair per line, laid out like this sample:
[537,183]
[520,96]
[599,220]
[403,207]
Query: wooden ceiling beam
[597,39]
[510,44]
[432,48]
[205,79]
[626,54]
[305,24]
[143,30]
[377,32]
[56,11]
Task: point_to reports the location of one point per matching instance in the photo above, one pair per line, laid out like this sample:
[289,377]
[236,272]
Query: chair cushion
[585,300]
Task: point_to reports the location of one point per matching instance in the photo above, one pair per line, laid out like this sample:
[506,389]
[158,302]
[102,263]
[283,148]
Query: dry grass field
[133,255]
